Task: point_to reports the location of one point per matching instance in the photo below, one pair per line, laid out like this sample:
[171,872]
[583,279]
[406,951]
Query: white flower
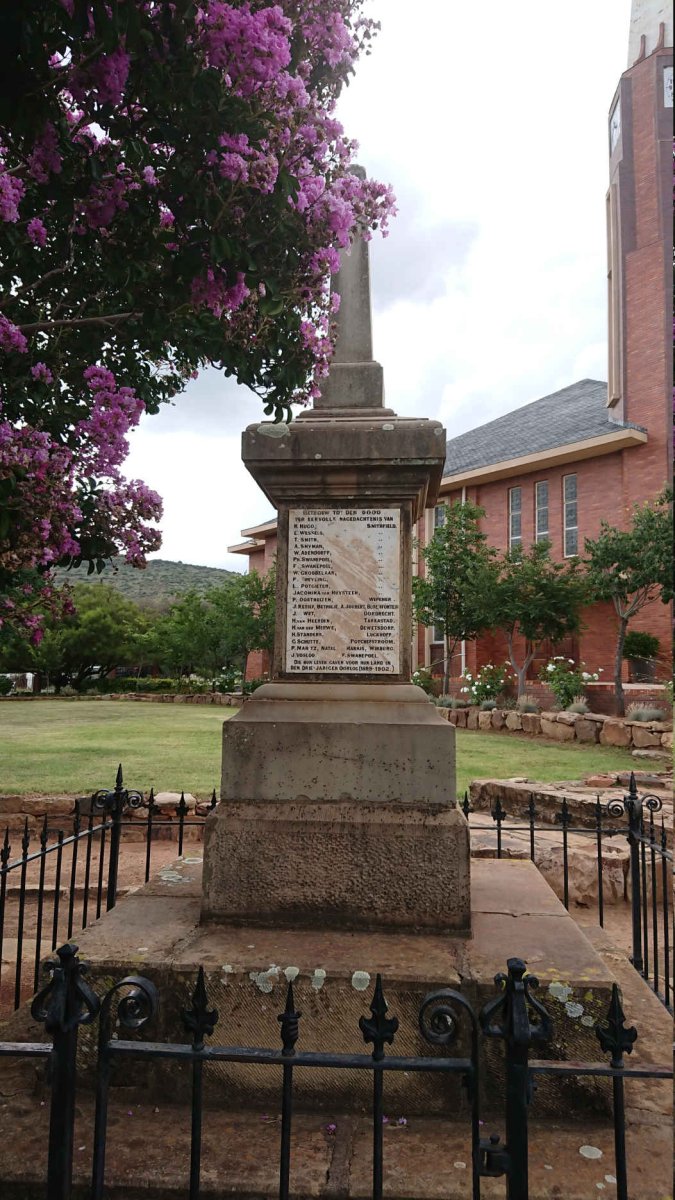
[585,675]
[601,669]
[550,667]
[571,660]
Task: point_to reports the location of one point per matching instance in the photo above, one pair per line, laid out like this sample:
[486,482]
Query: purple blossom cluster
[43,482]
[97,165]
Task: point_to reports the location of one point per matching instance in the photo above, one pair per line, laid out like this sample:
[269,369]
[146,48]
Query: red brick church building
[560,464]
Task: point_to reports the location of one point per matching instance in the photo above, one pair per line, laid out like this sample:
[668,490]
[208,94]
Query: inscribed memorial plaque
[343,607]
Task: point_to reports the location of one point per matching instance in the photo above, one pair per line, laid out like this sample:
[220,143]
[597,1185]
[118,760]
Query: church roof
[573,414]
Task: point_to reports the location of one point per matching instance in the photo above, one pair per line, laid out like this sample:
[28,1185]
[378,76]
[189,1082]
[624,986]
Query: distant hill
[157,585]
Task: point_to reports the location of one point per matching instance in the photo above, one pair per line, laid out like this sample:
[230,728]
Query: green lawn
[74,747]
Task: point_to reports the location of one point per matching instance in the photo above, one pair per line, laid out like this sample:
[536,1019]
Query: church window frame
[570,499]
[515,517]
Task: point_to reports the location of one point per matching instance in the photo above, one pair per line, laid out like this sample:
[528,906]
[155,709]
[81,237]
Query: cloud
[490,290]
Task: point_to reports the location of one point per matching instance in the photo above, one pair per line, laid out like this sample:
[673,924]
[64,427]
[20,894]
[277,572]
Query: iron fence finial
[379,1028]
[66,1001]
[199,1019]
[289,1020]
[614,1037]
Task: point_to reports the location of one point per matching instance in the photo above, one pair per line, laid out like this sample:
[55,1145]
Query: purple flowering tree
[174,193]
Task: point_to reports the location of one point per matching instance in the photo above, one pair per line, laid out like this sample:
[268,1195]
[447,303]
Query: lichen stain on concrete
[274,431]
[169,876]
[291,973]
[559,991]
[318,979]
[265,980]
[360,980]
[574,1010]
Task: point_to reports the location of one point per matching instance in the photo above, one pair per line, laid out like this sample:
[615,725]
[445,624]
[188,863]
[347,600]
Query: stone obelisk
[338,784]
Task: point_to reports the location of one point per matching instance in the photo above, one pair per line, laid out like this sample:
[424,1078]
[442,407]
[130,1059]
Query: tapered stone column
[338,786]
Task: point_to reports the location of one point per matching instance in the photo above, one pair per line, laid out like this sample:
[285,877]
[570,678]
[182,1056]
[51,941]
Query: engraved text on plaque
[343,613]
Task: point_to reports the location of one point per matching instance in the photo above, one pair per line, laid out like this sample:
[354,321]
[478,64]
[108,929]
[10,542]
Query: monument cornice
[399,460]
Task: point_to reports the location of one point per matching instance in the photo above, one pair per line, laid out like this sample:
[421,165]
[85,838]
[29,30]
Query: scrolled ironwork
[508,1015]
[67,1000]
[440,1016]
[615,808]
[114,801]
[136,1008]
[652,803]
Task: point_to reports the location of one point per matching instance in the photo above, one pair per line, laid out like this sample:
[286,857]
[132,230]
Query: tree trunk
[618,662]
[521,672]
[446,669]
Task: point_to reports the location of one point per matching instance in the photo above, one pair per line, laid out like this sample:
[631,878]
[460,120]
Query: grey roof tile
[573,414]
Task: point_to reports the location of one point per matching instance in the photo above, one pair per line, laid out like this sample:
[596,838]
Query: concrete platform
[156,932]
[425,1159]
[149,1147]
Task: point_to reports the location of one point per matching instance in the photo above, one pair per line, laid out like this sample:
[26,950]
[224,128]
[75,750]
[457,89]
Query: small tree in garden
[633,568]
[216,632]
[104,631]
[174,194]
[538,600]
[455,594]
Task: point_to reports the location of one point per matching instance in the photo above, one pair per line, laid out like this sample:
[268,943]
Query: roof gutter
[605,443]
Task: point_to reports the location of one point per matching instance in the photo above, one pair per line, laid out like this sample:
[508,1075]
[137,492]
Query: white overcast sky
[490,121]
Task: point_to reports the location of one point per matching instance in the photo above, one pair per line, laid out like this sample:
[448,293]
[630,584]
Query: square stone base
[338,811]
[338,866]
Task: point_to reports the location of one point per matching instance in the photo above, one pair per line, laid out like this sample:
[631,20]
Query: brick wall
[607,487]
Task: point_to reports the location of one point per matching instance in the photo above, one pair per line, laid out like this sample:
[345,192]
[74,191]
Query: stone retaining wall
[645,736]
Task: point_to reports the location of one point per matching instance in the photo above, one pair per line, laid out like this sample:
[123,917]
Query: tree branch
[64,322]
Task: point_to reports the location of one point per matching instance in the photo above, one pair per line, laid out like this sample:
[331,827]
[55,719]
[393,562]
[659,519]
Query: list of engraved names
[343,611]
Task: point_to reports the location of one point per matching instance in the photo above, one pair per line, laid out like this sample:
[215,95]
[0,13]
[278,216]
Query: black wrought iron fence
[513,1016]
[650,869]
[60,880]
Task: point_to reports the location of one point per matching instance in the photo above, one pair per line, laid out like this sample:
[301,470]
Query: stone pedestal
[338,790]
[337,813]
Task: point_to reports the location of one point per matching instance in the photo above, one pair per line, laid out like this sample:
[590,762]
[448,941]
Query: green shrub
[640,645]
[567,679]
[488,684]
[6,685]
[488,705]
[228,681]
[645,712]
[251,685]
[423,678]
[450,702]
[132,683]
[578,706]
[527,704]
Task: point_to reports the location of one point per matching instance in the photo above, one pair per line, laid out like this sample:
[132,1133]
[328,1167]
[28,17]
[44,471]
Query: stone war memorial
[336,882]
[337,850]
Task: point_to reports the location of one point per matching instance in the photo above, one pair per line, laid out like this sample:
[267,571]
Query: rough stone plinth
[367,866]
[337,812]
